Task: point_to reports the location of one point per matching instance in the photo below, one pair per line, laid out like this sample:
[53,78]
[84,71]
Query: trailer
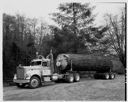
[80,62]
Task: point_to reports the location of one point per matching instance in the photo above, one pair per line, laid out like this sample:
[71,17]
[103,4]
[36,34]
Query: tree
[18,43]
[73,18]
[95,39]
[74,15]
[116,35]
[9,23]
[43,36]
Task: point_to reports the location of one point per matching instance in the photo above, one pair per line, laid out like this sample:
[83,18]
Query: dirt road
[86,89]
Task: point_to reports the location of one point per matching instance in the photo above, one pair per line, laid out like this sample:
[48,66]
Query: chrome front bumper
[21,81]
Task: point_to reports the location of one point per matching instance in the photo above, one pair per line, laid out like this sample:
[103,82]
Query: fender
[33,72]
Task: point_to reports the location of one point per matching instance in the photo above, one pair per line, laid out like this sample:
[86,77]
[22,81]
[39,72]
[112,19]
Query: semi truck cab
[33,75]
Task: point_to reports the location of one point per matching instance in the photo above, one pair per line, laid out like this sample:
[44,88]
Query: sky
[42,8]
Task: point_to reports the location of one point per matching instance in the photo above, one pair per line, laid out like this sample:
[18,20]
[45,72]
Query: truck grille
[20,73]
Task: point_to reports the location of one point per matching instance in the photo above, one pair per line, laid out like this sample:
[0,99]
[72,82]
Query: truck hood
[30,67]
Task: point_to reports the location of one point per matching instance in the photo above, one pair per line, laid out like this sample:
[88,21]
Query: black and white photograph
[64,50]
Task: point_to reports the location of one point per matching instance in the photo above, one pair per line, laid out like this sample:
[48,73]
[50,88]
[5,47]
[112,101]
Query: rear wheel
[70,78]
[76,77]
[96,76]
[112,75]
[34,82]
[106,76]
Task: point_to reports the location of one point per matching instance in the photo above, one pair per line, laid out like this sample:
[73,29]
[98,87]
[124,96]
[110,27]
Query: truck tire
[112,75]
[20,86]
[107,76]
[76,77]
[34,82]
[70,78]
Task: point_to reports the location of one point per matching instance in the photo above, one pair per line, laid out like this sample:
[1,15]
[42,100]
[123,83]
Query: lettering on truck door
[45,69]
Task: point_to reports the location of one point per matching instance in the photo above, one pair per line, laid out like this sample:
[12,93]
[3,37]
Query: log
[82,62]
[118,67]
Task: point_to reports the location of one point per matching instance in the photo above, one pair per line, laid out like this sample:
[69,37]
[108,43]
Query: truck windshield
[35,63]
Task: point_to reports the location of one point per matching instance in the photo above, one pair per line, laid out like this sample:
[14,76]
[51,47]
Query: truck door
[45,69]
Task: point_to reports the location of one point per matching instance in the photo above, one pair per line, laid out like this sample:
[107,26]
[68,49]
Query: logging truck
[68,66]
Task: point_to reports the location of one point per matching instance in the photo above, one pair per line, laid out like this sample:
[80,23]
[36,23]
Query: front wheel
[34,82]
